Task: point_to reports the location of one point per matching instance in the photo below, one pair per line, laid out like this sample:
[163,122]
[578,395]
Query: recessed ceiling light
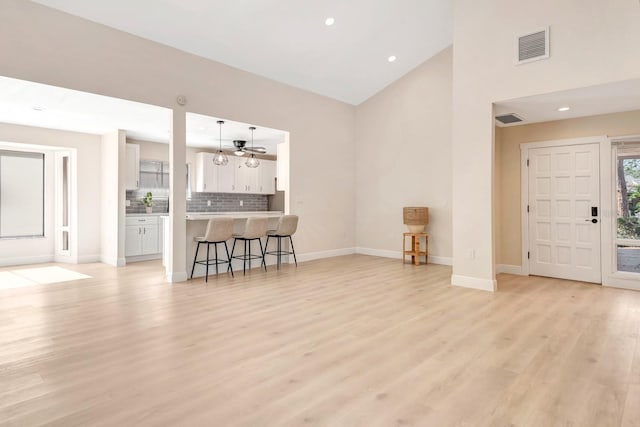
[392,58]
[38,108]
[329,21]
[202,128]
[564,108]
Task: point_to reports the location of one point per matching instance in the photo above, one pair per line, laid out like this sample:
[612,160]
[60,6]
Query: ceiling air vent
[534,46]
[507,119]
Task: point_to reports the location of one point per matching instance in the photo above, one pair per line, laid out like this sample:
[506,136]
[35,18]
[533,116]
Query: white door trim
[604,144]
[610,276]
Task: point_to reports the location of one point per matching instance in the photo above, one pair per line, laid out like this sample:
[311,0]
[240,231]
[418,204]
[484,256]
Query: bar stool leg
[233,249]
[266,245]
[206,277]
[244,259]
[262,251]
[229,267]
[293,250]
[195,258]
[279,254]
[215,245]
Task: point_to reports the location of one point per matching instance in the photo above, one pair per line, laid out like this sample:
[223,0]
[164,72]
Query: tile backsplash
[220,202]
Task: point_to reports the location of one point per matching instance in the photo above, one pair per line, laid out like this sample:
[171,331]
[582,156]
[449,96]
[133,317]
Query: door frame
[605,172]
[611,277]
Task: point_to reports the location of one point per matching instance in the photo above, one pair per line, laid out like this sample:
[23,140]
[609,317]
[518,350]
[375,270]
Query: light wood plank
[356,340]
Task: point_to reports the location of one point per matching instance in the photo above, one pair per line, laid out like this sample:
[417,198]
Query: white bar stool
[219,230]
[287,227]
[254,229]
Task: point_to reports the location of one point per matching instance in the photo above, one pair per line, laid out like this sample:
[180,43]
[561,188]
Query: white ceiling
[204,132]
[35,104]
[588,101]
[287,40]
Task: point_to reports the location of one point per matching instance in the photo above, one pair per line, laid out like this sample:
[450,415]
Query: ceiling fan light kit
[252,162]
[239,144]
[220,158]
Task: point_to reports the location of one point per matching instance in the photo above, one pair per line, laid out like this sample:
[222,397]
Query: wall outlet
[208,202]
[241,203]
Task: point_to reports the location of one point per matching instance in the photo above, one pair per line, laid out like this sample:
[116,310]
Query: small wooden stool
[415,251]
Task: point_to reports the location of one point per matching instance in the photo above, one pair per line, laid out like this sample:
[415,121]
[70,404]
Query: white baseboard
[510,269]
[379,252]
[7,262]
[621,284]
[140,258]
[86,259]
[116,262]
[174,277]
[473,283]
[442,260]
[433,259]
[310,256]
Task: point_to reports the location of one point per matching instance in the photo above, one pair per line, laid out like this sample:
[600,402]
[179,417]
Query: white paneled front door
[564,227]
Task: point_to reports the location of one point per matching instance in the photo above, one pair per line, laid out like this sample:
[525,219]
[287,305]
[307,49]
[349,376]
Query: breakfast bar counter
[197,225]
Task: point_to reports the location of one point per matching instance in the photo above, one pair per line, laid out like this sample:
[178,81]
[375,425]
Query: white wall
[112,228]
[151,150]
[86,56]
[403,158]
[87,149]
[592,42]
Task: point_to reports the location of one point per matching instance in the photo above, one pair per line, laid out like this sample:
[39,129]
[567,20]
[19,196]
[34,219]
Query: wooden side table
[415,251]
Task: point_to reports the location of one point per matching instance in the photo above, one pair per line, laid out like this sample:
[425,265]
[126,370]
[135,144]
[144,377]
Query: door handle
[595,221]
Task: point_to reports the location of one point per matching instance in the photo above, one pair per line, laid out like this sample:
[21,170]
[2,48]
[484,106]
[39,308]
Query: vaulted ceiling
[288,40]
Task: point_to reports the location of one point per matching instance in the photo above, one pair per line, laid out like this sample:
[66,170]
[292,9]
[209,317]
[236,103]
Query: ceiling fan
[241,148]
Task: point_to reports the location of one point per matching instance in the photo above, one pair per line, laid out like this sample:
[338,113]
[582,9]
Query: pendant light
[252,162]
[220,158]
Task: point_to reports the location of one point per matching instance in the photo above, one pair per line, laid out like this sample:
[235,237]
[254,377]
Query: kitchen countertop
[194,216]
[207,215]
[146,214]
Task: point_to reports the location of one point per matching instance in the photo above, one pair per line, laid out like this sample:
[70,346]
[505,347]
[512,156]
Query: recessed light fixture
[329,21]
[38,108]
[564,108]
[392,58]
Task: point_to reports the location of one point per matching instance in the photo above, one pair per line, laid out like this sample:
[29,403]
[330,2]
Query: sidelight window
[628,206]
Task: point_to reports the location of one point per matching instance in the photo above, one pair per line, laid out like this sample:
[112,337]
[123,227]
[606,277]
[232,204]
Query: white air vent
[533,47]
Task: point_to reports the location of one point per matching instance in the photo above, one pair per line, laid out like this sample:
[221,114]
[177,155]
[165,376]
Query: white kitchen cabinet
[142,235]
[247,179]
[206,173]
[234,177]
[133,243]
[132,165]
[227,176]
[267,173]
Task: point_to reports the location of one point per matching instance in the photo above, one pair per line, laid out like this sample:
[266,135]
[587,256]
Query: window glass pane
[629,258]
[21,194]
[628,192]
[65,191]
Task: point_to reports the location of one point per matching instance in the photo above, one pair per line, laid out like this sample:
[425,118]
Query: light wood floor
[348,341]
